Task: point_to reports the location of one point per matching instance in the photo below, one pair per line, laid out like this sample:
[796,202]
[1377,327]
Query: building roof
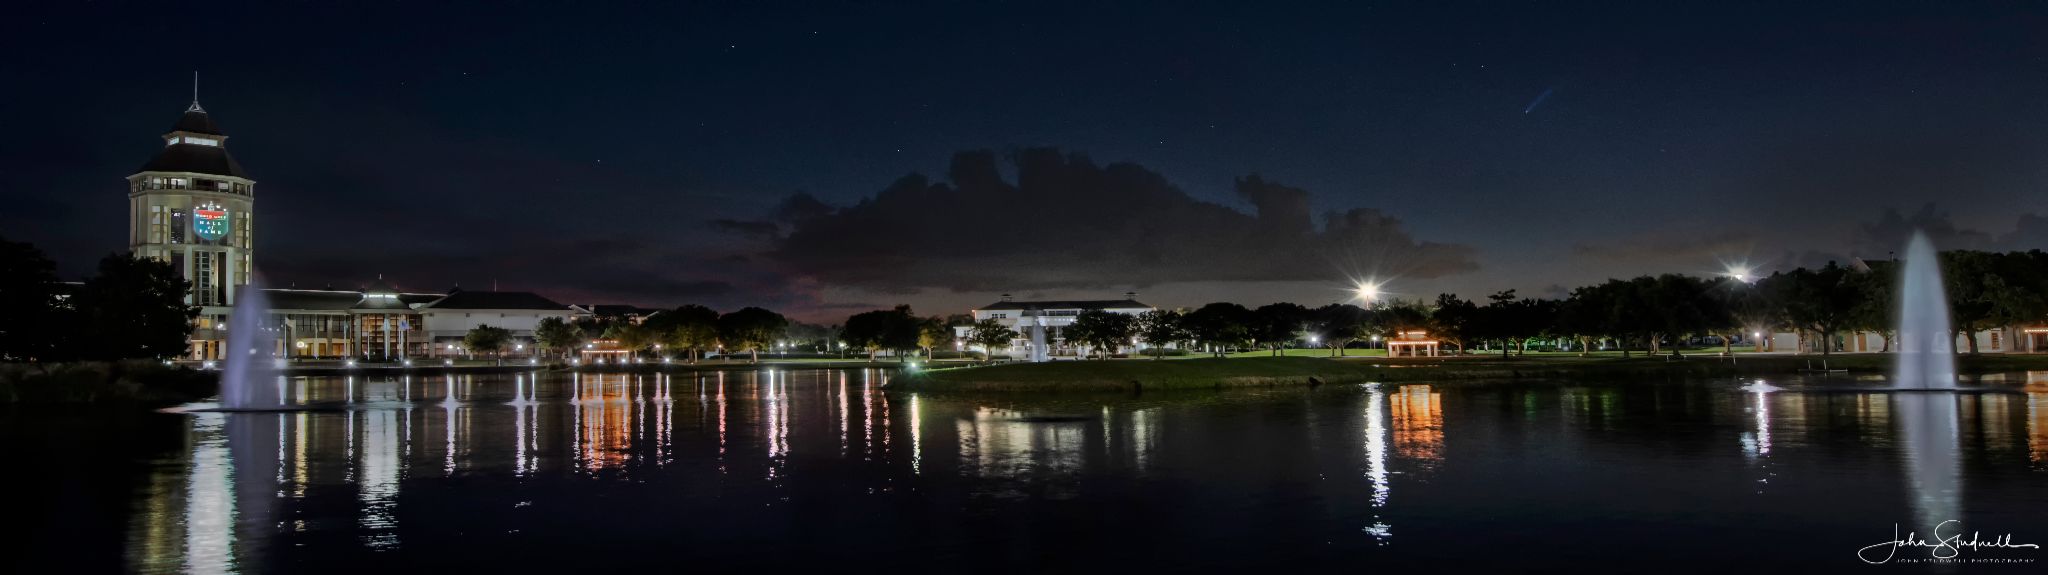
[419,298]
[196,121]
[1067,304]
[618,310]
[196,159]
[496,300]
[311,299]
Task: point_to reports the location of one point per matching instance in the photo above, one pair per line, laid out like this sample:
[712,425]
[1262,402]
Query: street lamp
[1369,292]
[1739,272]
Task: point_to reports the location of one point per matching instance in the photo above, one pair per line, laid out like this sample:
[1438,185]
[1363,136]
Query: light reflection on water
[571,458]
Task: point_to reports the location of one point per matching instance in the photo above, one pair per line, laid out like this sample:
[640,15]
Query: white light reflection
[1376,462]
[209,517]
[916,437]
[379,487]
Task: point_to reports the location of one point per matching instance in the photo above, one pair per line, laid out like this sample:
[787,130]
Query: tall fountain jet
[1926,358]
[247,378]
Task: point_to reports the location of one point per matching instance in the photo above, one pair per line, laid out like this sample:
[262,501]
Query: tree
[1822,301]
[557,335]
[133,308]
[687,328]
[1497,321]
[2017,291]
[1876,307]
[1512,321]
[1338,325]
[631,337]
[1276,324]
[1160,328]
[934,332]
[751,328]
[1221,326]
[487,339]
[1390,319]
[1102,330]
[891,329]
[991,335]
[1588,314]
[28,303]
[1679,306]
[1454,320]
[1968,276]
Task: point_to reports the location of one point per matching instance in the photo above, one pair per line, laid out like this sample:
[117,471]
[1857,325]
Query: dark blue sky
[582,152]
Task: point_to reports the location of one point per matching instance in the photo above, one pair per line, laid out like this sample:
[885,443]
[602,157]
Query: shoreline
[1213,373]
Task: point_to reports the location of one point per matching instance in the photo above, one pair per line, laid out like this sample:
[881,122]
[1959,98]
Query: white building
[192,206]
[2028,339]
[1038,323]
[448,319]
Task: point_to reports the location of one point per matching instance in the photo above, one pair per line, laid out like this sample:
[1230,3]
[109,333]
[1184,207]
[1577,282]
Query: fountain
[1927,422]
[1926,358]
[247,378]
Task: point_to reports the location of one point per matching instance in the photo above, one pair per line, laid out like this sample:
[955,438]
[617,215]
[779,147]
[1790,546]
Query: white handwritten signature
[1941,546]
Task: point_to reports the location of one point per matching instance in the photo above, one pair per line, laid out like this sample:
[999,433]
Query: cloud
[748,229]
[1067,223]
[1893,228]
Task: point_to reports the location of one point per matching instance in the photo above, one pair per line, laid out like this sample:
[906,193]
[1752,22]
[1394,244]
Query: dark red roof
[196,159]
[495,300]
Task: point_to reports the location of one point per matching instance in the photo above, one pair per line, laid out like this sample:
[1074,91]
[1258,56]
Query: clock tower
[193,206]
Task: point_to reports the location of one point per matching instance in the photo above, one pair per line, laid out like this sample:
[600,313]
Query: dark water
[811,470]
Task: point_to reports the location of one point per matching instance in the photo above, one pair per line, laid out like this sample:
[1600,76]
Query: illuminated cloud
[1064,222]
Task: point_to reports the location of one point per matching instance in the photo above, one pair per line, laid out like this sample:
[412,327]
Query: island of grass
[1216,373]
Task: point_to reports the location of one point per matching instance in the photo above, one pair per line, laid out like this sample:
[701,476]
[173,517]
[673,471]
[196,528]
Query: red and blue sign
[210,222]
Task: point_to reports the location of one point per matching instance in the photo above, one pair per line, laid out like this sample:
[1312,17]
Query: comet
[1538,101]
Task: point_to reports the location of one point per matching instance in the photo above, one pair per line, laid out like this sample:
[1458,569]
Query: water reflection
[414,458]
[1927,425]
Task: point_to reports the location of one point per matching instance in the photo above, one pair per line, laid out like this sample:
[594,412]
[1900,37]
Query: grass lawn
[1120,374]
[1206,373]
[1301,352]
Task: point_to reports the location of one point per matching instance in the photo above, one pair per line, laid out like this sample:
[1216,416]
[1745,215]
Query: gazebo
[1413,343]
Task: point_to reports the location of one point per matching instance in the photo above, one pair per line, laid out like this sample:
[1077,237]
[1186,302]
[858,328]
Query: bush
[86,382]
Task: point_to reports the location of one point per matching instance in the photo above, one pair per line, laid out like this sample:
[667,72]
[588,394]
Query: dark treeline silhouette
[133,308]
[130,308]
[1648,313]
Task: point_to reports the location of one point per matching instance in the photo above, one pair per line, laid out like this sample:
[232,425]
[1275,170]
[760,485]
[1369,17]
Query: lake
[811,469]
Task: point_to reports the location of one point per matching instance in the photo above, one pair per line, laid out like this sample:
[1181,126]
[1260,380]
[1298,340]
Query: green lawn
[1120,374]
[1205,373]
[1303,352]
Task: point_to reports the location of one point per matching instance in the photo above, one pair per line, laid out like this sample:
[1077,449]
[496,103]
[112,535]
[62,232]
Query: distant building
[1416,343]
[380,322]
[1039,323]
[618,313]
[2023,339]
[450,318]
[192,206]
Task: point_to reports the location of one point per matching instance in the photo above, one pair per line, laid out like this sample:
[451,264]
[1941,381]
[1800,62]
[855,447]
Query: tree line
[1646,314]
[686,331]
[134,308]
[130,308]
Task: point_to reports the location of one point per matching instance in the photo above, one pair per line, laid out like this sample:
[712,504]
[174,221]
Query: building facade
[1039,323]
[192,206]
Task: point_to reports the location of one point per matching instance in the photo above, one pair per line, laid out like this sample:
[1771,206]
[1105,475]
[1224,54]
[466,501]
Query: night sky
[738,154]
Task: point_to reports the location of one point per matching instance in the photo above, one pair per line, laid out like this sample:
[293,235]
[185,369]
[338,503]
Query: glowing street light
[1740,273]
[1369,291]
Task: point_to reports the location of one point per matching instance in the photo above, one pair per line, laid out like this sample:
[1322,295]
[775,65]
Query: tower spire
[195,94]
